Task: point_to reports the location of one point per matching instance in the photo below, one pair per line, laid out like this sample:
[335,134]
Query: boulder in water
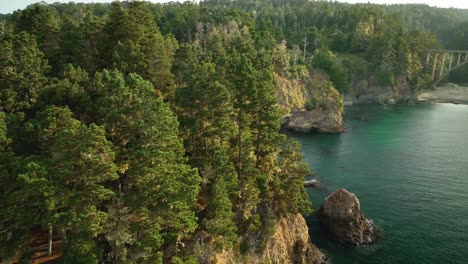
[341,215]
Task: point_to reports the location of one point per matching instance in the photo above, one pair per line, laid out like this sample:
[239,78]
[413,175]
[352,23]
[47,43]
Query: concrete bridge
[445,61]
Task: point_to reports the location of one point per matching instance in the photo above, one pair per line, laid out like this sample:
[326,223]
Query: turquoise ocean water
[409,167]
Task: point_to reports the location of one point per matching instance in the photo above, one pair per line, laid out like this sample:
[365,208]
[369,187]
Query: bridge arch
[456,59]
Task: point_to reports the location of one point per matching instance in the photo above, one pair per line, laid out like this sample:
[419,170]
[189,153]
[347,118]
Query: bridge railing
[447,51]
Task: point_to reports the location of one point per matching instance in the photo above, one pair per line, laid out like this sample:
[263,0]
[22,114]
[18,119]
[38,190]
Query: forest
[131,129]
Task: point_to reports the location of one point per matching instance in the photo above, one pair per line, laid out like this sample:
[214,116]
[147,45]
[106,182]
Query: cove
[409,167]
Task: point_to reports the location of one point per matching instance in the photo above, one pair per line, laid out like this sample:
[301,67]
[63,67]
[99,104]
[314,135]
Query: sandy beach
[449,93]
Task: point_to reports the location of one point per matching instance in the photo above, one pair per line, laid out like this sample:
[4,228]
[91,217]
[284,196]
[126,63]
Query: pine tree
[83,160]
[155,183]
[290,194]
[245,91]
[63,187]
[138,46]
[5,154]
[71,42]
[22,68]
[6,159]
[40,21]
[94,36]
[266,122]
[205,110]
[220,216]
[69,91]
[114,31]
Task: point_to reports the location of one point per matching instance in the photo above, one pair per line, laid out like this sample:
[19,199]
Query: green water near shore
[409,167]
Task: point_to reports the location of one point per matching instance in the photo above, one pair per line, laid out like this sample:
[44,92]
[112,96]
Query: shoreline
[450,93]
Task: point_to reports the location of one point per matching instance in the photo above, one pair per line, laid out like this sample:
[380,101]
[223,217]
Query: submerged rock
[341,215]
[317,120]
[312,183]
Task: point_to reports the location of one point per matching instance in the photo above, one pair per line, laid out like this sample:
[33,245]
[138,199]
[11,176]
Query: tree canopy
[132,130]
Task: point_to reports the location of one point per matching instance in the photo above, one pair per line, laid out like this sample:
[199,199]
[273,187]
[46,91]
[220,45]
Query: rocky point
[340,214]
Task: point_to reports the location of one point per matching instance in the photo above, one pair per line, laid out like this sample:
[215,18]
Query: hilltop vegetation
[131,128]
[128,143]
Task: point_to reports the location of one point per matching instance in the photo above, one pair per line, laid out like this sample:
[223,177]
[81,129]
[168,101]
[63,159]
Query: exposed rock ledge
[289,244]
[317,120]
[365,90]
[449,93]
[341,215]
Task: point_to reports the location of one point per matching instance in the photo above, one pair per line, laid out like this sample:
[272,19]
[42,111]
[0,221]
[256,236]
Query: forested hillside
[131,129]
[127,143]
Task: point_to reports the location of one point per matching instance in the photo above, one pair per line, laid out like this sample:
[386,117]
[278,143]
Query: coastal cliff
[310,102]
[289,243]
[318,120]
[368,90]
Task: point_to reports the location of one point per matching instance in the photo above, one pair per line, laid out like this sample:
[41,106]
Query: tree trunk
[49,251]
[239,154]
[257,146]
[305,47]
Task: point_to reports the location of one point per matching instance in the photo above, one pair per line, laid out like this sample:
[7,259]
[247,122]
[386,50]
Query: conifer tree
[63,187]
[5,154]
[205,113]
[266,122]
[155,183]
[41,21]
[114,31]
[138,46]
[94,35]
[22,69]
[6,158]
[220,216]
[245,91]
[71,41]
[290,195]
[70,92]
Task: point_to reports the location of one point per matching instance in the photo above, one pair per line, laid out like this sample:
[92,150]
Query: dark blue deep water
[409,167]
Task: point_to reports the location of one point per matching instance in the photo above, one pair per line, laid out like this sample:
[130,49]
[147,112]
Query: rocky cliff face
[292,93]
[341,215]
[324,102]
[289,244]
[317,120]
[368,91]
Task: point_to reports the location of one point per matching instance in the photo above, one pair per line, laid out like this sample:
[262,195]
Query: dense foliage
[127,144]
[392,39]
[130,129]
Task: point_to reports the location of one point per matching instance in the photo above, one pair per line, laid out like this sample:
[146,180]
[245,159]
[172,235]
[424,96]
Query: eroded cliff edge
[310,103]
[290,243]
[318,120]
[365,89]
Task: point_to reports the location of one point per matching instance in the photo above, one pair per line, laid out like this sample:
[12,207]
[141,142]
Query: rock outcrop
[367,90]
[311,91]
[341,215]
[290,244]
[449,93]
[317,120]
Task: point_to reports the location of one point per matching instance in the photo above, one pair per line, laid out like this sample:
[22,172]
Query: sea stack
[341,215]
